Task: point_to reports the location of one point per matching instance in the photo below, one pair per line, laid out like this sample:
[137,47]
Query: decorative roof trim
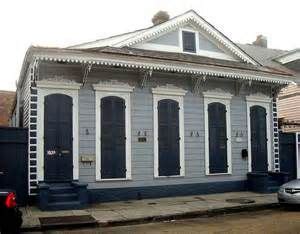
[189,17]
[167,68]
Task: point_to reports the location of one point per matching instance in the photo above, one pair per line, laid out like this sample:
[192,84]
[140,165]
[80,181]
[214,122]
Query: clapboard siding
[142,153]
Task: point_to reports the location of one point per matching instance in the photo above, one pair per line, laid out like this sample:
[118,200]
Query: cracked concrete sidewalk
[125,212]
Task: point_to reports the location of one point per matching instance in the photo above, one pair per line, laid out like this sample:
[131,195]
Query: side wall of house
[289,103]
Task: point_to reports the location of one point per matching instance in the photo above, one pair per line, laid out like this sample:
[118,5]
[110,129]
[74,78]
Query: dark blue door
[217,138]
[58,138]
[168,138]
[259,151]
[113,138]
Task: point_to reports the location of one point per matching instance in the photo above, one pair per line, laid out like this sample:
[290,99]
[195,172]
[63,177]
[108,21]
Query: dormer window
[189,42]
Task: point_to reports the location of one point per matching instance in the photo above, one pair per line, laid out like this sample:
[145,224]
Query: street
[267,221]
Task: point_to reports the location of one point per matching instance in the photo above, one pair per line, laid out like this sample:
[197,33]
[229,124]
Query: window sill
[218,174]
[168,177]
[113,179]
[187,52]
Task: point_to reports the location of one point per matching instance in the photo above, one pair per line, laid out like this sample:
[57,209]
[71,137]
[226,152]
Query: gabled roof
[139,36]
[288,57]
[187,58]
[108,41]
[265,56]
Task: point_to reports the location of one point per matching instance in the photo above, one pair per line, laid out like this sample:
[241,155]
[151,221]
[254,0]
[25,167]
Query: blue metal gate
[287,154]
[14,161]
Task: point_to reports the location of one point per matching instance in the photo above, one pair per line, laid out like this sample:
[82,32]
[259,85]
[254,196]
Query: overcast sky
[61,23]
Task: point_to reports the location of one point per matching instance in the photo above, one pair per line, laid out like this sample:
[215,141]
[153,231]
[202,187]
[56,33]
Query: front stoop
[62,196]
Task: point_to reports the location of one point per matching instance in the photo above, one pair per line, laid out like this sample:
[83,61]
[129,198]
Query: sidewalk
[138,211]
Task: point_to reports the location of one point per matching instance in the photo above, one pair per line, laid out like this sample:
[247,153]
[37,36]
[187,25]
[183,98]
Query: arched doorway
[58,138]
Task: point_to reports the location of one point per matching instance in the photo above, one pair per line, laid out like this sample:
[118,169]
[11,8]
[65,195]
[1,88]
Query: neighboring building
[167,110]
[6,106]
[289,97]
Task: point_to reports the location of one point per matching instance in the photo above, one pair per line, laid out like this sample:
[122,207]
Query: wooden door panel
[58,141]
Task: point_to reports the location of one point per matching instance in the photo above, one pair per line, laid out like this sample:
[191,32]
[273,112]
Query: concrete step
[65,197]
[61,189]
[70,205]
[273,189]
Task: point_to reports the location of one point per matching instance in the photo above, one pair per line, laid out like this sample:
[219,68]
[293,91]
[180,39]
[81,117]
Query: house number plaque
[51,152]
[142,139]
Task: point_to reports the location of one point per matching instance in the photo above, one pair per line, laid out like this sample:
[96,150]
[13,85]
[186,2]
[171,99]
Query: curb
[192,214]
[159,218]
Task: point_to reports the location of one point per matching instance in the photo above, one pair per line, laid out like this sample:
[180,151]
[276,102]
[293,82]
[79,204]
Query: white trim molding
[264,101]
[117,89]
[176,94]
[218,96]
[45,88]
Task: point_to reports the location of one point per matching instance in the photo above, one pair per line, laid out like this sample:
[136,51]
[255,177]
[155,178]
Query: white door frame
[45,88]
[265,102]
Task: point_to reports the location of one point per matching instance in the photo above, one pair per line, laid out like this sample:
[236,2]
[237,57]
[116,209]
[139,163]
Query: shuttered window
[168,138]
[113,140]
[259,148]
[189,42]
[217,138]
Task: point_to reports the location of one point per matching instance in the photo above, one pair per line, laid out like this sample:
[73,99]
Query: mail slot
[65,151]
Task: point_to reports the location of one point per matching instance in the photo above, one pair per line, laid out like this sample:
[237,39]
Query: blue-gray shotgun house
[173,109]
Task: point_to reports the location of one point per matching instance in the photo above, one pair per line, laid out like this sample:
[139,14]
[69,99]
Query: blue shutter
[259,152]
[113,155]
[168,138]
[217,138]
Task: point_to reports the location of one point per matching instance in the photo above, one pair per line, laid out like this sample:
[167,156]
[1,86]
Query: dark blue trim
[119,194]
